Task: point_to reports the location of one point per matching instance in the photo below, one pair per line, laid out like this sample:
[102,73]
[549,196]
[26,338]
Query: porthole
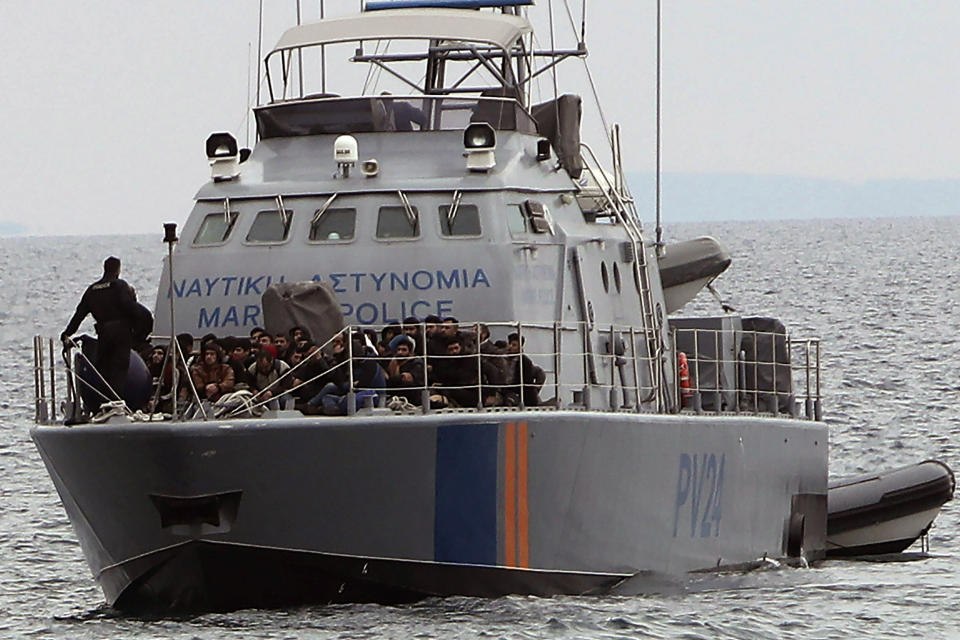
[605,276]
[616,277]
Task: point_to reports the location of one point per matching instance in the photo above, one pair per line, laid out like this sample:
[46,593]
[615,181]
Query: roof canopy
[499,29]
[380,5]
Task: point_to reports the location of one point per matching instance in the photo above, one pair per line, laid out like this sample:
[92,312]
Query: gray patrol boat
[654,445]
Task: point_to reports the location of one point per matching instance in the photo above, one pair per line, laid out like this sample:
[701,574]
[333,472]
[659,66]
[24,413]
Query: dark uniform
[405,115]
[115,310]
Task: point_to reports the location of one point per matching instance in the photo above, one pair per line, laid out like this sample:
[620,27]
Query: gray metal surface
[574,491]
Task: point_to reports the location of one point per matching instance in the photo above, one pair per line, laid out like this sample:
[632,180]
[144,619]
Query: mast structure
[659,230]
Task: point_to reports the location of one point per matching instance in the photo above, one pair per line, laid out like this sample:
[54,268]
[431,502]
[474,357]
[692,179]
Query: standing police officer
[114,307]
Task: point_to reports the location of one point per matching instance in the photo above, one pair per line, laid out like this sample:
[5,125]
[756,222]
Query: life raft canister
[683,370]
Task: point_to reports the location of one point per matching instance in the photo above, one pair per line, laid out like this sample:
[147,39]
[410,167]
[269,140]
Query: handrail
[724,379]
[635,395]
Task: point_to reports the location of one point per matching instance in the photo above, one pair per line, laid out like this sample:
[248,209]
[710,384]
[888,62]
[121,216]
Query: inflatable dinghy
[687,267]
[885,512]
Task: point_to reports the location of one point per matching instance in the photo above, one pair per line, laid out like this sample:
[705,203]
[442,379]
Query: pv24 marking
[699,495]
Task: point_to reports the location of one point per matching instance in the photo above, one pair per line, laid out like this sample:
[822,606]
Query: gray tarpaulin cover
[766,366]
[712,346]
[559,122]
[311,305]
[728,354]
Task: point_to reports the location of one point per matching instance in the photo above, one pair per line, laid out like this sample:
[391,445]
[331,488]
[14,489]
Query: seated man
[267,372]
[312,375]
[241,358]
[456,381]
[155,363]
[405,370]
[211,376]
[282,343]
[522,375]
[184,353]
[411,328]
[369,380]
[387,334]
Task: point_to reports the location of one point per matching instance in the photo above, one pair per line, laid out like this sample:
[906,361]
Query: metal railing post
[636,369]
[53,383]
[817,408]
[717,362]
[476,329]
[585,334]
[557,346]
[773,364]
[808,400]
[170,237]
[351,393]
[425,392]
[520,362]
[37,377]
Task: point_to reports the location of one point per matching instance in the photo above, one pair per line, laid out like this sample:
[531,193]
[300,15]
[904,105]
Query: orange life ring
[683,369]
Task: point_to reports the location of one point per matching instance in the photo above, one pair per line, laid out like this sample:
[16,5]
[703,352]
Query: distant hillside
[11,229]
[688,197]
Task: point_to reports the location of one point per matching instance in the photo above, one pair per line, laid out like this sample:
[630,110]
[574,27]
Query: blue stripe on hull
[465,525]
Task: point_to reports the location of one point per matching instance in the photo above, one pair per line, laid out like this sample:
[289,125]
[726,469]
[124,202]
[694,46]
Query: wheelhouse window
[395,222]
[215,228]
[516,220]
[270,226]
[334,225]
[529,217]
[464,220]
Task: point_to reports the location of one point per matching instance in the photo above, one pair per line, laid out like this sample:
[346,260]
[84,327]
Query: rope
[116,396]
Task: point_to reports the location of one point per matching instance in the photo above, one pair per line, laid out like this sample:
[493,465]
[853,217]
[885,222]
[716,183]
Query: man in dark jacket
[458,380]
[405,370]
[522,375]
[114,307]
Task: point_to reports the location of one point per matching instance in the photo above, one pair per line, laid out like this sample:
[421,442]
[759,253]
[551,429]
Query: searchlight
[480,140]
[223,156]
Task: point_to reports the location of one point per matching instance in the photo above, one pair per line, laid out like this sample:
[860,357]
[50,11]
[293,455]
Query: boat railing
[753,381]
[45,389]
[560,365]
[748,371]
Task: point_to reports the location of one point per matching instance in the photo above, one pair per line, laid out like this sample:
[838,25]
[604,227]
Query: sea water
[882,294]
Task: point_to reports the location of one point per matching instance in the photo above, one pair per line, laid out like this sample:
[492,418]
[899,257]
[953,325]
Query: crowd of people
[434,361]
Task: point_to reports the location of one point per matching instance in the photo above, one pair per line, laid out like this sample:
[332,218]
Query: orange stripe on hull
[523,513]
[509,497]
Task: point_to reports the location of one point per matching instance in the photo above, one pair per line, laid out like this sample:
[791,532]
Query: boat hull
[221,515]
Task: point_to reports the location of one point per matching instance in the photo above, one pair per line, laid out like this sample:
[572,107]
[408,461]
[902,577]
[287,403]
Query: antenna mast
[659,217]
[300,51]
[259,49]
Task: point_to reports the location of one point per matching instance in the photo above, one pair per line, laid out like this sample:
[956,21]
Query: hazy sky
[106,104]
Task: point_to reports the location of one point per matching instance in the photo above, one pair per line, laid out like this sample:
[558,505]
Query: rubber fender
[136,390]
[795,531]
